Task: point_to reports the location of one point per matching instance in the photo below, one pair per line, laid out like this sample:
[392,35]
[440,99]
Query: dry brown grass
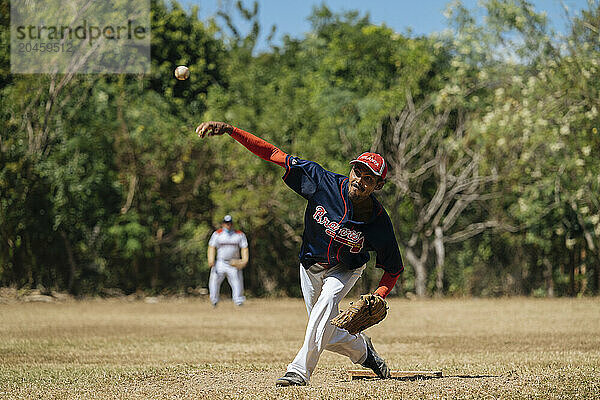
[507,348]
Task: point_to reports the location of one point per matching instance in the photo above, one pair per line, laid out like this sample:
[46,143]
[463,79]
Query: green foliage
[103,183]
[96,187]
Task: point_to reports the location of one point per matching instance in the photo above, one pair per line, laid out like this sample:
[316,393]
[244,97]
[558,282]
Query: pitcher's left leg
[342,342]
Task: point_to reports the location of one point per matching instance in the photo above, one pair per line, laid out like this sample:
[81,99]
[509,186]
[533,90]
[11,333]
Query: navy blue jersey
[330,235]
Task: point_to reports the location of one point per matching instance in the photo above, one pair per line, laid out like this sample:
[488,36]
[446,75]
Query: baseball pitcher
[343,222]
[224,250]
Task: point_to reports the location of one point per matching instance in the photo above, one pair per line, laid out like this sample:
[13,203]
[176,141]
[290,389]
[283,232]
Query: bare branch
[586,233]
[422,169]
[430,131]
[130,193]
[377,139]
[470,231]
[440,192]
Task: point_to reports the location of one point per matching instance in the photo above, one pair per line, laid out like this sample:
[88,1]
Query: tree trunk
[136,271]
[580,270]
[72,265]
[418,264]
[156,272]
[598,277]
[597,269]
[548,277]
[572,273]
[420,275]
[440,253]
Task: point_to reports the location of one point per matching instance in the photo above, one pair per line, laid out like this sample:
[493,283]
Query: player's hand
[237,263]
[212,128]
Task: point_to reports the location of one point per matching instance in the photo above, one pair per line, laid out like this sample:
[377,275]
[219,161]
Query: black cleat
[374,361]
[290,379]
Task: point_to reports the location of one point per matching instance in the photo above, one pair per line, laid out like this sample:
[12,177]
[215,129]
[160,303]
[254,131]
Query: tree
[538,132]
[435,169]
[96,173]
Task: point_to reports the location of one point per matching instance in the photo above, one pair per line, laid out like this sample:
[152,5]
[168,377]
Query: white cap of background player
[227,218]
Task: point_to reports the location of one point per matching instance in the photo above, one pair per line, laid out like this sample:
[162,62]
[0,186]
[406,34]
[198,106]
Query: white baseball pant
[218,272]
[323,289]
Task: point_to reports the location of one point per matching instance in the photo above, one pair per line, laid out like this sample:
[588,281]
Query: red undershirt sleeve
[386,284]
[259,147]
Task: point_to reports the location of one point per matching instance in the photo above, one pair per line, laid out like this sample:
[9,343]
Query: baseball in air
[182,73]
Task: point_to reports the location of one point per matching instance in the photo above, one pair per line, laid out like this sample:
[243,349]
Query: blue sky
[421,17]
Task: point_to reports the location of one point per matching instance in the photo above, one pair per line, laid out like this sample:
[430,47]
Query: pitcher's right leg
[214,284]
[334,284]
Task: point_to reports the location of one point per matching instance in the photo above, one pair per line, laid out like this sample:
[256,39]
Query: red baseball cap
[374,161]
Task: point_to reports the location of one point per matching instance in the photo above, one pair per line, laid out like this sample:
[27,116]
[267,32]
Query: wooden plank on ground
[363,373]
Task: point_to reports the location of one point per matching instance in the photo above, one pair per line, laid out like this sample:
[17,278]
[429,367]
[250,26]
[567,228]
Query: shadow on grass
[425,378]
[397,378]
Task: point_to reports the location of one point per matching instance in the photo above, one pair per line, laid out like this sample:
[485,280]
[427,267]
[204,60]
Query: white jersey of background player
[227,256]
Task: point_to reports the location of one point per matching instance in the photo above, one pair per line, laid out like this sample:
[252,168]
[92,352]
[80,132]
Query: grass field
[487,349]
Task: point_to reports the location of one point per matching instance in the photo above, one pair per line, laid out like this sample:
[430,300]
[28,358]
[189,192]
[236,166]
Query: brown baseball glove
[369,310]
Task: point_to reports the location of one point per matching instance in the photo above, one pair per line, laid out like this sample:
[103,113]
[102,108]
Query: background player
[343,222]
[224,249]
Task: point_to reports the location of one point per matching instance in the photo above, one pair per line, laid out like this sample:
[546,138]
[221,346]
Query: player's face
[227,225]
[362,182]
